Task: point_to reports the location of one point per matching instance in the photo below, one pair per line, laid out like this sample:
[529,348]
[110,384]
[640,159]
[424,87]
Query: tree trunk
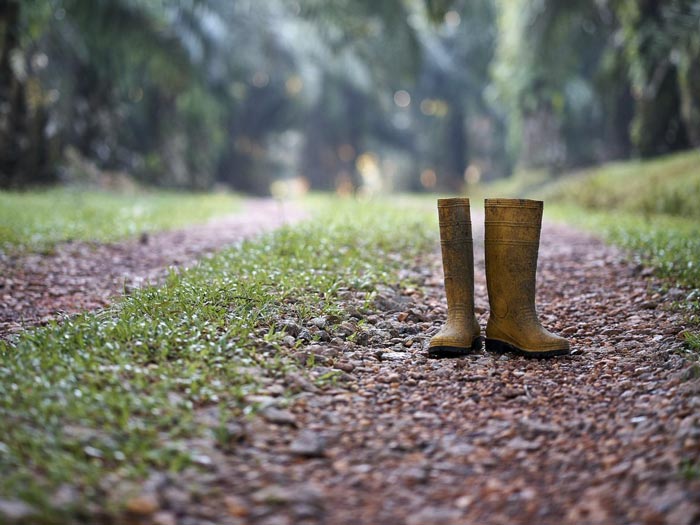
[689,85]
[24,151]
[12,106]
[657,127]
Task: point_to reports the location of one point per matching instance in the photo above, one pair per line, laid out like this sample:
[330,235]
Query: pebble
[278,416]
[143,504]
[15,510]
[164,518]
[236,506]
[319,322]
[308,444]
[389,378]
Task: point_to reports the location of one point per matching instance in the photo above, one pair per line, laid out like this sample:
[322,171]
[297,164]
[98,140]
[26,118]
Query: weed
[690,469]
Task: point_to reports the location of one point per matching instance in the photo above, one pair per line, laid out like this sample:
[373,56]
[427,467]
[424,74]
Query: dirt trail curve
[608,435]
[79,276]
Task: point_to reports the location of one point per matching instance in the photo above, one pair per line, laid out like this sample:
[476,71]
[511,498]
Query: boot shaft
[457,250]
[511,242]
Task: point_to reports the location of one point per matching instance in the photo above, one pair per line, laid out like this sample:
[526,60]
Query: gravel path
[79,276]
[608,435]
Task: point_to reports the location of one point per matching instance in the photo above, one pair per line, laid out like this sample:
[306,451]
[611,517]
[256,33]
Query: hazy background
[344,95]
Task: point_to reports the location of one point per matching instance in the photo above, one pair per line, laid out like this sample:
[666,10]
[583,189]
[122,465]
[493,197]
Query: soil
[607,435]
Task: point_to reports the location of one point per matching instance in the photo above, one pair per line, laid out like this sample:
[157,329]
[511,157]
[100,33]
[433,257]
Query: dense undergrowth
[37,220]
[115,394]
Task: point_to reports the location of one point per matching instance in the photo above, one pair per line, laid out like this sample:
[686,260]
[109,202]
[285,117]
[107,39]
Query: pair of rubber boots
[511,242]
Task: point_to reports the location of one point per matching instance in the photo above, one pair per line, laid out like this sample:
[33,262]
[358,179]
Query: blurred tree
[364,51]
[662,47]
[24,147]
[452,93]
[568,97]
[187,93]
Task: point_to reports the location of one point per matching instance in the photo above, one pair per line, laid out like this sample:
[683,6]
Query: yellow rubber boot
[461,332]
[512,241]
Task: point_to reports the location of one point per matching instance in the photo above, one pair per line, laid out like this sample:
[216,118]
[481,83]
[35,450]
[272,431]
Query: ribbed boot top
[513,203]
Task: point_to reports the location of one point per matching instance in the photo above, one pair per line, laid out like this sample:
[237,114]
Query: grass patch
[115,394]
[668,185]
[37,220]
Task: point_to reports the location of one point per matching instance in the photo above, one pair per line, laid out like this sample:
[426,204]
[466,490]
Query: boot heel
[441,352]
[501,347]
[498,347]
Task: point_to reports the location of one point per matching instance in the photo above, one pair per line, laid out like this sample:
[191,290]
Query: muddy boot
[511,243]
[461,332]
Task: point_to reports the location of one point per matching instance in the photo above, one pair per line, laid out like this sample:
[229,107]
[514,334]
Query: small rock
[164,518]
[143,505]
[518,443]
[346,329]
[289,341]
[319,322]
[511,393]
[435,515]
[675,294]
[176,499]
[236,506]
[279,495]
[394,356]
[278,416]
[609,332]
[299,382]
[290,327]
[14,510]
[389,378]
[308,444]
[344,366]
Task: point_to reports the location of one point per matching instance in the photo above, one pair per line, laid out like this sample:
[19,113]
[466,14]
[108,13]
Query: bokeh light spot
[402,98]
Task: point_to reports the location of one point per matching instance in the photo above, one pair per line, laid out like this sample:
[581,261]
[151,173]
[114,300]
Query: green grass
[668,185]
[37,220]
[114,394]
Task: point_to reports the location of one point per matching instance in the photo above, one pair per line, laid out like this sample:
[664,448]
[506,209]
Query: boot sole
[440,352]
[501,347]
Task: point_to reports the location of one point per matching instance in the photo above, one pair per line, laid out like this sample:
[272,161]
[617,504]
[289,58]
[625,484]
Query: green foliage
[37,220]
[116,394]
[589,81]
[667,185]
[187,94]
